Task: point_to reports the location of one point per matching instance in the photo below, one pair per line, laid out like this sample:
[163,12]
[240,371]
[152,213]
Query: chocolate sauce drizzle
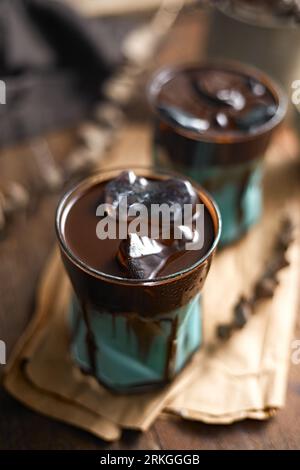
[90,339]
[145,332]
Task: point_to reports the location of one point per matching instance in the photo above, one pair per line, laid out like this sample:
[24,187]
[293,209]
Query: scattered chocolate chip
[279,262]
[242,312]
[287,225]
[224,331]
[284,240]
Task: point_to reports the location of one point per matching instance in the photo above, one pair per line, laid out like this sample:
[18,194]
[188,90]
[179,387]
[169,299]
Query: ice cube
[140,190]
[126,184]
[255,117]
[257,88]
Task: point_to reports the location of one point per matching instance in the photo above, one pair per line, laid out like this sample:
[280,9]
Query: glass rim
[99,176]
[166,73]
[250,18]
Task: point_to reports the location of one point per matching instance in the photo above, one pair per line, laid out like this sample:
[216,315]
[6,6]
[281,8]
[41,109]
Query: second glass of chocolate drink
[213,122]
[136,315]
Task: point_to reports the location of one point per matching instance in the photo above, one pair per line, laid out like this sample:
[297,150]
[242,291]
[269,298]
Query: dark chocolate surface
[79,231]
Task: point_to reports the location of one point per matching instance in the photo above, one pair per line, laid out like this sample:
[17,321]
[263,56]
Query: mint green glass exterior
[237,190]
[239,198]
[133,351]
[227,164]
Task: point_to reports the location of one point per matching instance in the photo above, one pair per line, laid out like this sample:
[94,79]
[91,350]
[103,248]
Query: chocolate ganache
[214,101]
[135,256]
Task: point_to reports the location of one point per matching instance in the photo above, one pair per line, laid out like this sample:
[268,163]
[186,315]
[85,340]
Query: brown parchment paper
[244,377]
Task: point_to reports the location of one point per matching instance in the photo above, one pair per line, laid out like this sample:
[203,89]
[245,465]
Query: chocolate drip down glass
[131,334]
[213,123]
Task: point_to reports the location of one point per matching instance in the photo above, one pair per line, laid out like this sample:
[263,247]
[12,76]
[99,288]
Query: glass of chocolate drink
[137,246]
[214,123]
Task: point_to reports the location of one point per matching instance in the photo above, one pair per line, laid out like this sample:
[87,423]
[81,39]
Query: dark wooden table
[22,256]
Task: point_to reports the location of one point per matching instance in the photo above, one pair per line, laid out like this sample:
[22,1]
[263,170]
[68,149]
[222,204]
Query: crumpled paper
[244,377]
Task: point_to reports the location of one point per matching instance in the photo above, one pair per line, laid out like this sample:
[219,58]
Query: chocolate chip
[285,236]
[287,224]
[265,288]
[224,331]
[279,262]
[242,313]
[282,261]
